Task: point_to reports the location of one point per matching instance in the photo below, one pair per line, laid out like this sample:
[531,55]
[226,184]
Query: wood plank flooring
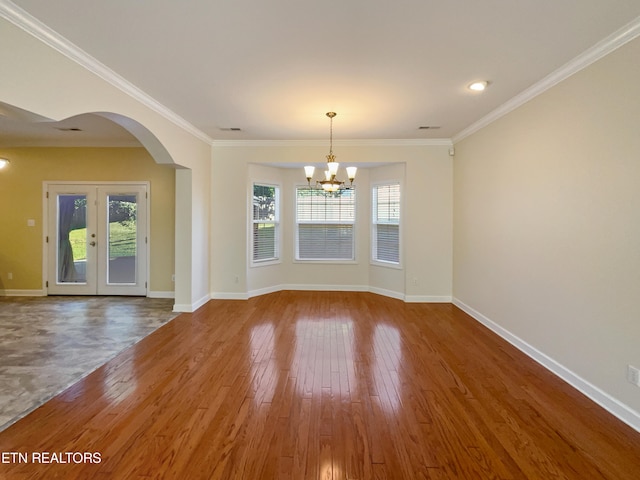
[322,385]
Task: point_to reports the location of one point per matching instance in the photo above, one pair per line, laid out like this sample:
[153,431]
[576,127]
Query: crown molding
[617,39]
[66,143]
[20,18]
[408,142]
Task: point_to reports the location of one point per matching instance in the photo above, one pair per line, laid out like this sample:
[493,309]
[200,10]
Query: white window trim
[278,222]
[322,261]
[372,259]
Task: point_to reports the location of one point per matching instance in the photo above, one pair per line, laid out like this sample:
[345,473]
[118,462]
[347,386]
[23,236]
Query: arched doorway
[113,143]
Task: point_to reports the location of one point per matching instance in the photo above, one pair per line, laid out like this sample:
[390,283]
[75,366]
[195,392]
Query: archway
[22,128]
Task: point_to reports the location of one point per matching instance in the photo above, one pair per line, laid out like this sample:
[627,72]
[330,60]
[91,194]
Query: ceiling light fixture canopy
[331,183]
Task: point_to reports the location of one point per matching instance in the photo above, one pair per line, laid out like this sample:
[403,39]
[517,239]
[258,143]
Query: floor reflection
[329,360]
[324,357]
[265,371]
[387,354]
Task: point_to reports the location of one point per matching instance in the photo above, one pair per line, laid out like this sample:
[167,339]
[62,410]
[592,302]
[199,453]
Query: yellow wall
[21,199]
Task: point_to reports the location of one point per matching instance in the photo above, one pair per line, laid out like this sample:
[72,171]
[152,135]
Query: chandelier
[331,183]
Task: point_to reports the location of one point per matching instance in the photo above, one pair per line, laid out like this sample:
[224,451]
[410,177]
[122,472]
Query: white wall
[427,227]
[547,228]
[39,79]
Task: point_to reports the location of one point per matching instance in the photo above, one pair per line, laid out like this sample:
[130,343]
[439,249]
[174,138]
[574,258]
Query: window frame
[374,225]
[276,222]
[352,224]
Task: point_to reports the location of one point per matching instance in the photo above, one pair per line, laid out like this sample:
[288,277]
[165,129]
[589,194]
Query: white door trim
[47,235]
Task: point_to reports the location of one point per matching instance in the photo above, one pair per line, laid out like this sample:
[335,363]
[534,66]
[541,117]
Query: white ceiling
[273,68]
[22,128]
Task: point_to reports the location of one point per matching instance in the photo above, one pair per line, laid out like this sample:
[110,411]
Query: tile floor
[49,343]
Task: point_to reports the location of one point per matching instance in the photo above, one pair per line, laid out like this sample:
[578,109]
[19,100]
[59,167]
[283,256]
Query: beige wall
[21,190]
[547,229]
[427,220]
[389,278]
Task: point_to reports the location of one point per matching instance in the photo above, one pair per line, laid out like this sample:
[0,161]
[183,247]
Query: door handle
[93,244]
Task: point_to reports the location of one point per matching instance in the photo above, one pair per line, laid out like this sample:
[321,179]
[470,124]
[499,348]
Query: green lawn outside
[122,239]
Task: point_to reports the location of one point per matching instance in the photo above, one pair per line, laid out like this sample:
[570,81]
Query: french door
[97,239]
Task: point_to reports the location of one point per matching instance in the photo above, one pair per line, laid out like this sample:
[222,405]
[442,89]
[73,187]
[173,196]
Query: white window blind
[265,235]
[324,224]
[386,223]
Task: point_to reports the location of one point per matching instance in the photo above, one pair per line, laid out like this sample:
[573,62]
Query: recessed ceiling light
[478,86]
[4,163]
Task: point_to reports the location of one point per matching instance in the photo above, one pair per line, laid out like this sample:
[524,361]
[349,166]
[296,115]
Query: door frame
[48,236]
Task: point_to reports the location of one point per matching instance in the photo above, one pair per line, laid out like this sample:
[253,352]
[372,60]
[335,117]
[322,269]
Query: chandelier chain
[331,183]
[331,134]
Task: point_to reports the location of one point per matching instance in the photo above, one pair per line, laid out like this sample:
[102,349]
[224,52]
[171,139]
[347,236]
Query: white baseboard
[326,288]
[332,288]
[427,299]
[182,308]
[23,293]
[229,296]
[305,287]
[602,398]
[198,303]
[265,291]
[189,308]
[160,294]
[387,293]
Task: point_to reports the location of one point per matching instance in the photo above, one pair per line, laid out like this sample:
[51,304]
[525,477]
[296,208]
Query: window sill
[265,263]
[327,262]
[394,266]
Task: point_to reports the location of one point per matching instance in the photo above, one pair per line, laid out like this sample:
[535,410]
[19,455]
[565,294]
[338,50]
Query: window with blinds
[386,223]
[265,236]
[325,224]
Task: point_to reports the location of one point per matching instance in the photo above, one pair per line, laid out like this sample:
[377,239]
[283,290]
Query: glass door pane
[72,239]
[97,239]
[122,239]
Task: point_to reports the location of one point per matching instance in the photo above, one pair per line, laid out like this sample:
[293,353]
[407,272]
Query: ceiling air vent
[230,129]
[70,129]
[428,127]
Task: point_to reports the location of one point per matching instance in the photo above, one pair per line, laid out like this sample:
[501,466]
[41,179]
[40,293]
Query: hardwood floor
[321,385]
